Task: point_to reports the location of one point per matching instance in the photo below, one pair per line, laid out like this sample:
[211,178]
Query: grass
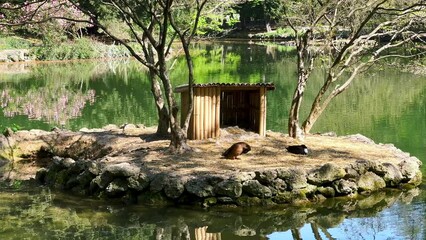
[13,42]
[80,48]
[278,33]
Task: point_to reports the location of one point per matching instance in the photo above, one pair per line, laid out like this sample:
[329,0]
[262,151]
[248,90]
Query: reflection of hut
[202,234]
[219,105]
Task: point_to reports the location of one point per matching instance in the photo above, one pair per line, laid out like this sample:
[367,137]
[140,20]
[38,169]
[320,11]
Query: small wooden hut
[219,105]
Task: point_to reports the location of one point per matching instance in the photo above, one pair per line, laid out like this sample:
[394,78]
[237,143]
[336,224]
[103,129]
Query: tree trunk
[163,121]
[319,105]
[317,109]
[178,141]
[162,111]
[294,129]
[303,56]
[310,120]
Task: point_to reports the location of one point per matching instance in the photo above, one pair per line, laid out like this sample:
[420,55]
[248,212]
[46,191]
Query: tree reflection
[380,216]
[53,105]
[55,93]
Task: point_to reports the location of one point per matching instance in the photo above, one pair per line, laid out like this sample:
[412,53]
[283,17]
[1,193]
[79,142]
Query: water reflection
[117,93]
[41,214]
[53,105]
[76,95]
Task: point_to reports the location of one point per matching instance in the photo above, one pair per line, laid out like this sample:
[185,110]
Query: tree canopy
[348,37]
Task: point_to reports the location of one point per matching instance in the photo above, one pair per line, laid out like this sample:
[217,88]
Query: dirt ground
[139,146]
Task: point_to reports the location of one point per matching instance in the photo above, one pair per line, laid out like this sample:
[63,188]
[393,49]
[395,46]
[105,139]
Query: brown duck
[236,149]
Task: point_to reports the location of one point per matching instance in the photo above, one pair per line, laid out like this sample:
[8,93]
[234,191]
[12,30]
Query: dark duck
[298,149]
[236,149]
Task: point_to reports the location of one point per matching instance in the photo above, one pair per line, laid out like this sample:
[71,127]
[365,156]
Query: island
[133,164]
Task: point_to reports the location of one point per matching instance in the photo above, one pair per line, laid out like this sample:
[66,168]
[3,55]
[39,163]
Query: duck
[236,149]
[298,149]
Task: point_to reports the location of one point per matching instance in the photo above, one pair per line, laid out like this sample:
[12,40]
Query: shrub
[81,48]
[9,42]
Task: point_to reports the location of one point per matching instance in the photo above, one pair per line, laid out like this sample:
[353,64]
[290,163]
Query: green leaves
[6,130]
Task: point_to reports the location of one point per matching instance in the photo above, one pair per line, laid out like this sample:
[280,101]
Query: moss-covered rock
[294,177]
[370,182]
[116,188]
[174,187]
[155,199]
[230,188]
[247,201]
[327,191]
[281,198]
[327,173]
[254,188]
[209,201]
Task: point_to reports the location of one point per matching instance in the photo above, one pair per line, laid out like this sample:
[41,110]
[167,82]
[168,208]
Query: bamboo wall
[216,107]
[205,117]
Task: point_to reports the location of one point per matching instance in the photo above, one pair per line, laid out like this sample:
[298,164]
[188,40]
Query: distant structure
[219,105]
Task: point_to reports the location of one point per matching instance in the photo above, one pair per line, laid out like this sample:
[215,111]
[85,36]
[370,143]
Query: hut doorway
[240,108]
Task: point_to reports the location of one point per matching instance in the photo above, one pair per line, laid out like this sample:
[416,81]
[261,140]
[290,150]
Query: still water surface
[386,105]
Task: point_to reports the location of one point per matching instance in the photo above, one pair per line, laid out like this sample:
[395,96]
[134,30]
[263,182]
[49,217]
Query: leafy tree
[152,25]
[261,10]
[348,37]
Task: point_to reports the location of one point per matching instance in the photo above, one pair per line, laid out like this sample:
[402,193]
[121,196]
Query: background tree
[267,12]
[152,27]
[348,37]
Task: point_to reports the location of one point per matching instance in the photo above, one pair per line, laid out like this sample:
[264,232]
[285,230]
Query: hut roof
[235,86]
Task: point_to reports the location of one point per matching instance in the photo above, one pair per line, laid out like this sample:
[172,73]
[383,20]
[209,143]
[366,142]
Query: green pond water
[386,105]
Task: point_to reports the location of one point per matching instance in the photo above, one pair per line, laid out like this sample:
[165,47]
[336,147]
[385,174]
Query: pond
[386,105]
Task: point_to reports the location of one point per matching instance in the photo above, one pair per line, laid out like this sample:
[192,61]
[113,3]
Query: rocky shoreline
[278,186]
[132,175]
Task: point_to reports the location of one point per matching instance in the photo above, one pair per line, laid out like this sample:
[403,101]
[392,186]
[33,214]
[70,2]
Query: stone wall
[14,55]
[267,187]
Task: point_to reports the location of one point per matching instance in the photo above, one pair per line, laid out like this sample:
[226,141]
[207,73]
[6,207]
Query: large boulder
[266,177]
[124,169]
[139,182]
[390,174]
[278,186]
[295,177]
[200,187]
[345,187]
[158,182]
[358,168]
[116,188]
[174,187]
[327,173]
[409,167]
[111,172]
[256,189]
[230,188]
[370,182]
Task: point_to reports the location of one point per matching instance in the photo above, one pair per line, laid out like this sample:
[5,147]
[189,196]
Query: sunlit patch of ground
[140,147]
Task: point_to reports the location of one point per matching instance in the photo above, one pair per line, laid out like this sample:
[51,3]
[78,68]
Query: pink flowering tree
[44,19]
[152,26]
